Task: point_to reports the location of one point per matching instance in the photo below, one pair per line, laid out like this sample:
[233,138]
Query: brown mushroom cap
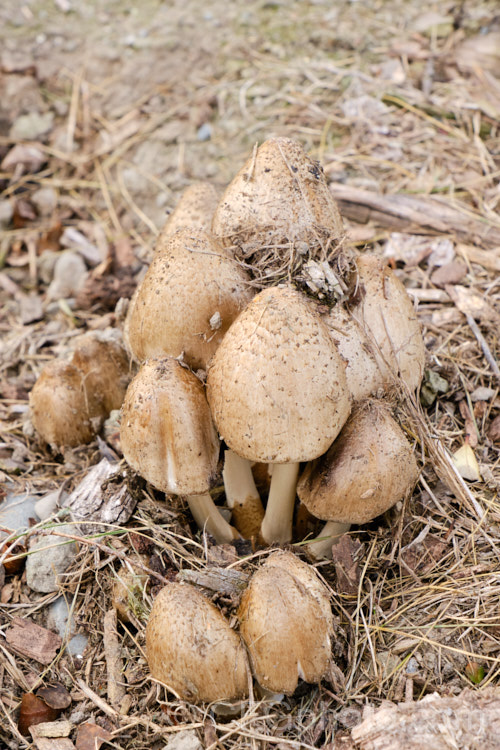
[71,398]
[286,622]
[368,468]
[167,434]
[276,384]
[385,311]
[62,412]
[191,648]
[278,213]
[187,300]
[194,210]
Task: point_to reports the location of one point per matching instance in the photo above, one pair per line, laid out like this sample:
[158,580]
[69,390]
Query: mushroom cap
[194,210]
[167,434]
[62,411]
[286,622]
[278,212]
[363,371]
[191,648]
[368,468]
[105,364]
[276,385]
[385,311]
[187,300]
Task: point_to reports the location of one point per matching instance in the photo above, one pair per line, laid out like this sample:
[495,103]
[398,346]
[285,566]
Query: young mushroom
[194,210]
[287,624]
[191,648]
[187,300]
[383,320]
[277,390]
[72,397]
[368,468]
[168,437]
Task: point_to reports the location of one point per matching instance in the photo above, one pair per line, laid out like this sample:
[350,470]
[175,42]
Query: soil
[128,105]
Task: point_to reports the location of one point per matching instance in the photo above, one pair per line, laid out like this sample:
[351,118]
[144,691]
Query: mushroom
[187,300]
[168,437]
[242,495]
[279,217]
[277,390]
[380,336]
[72,397]
[368,468]
[287,624]
[191,648]
[194,210]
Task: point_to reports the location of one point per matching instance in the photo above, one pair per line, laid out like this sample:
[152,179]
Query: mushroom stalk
[208,518]
[330,535]
[277,523]
[242,495]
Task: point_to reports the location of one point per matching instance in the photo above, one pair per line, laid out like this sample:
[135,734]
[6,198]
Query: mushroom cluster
[297,353]
[257,330]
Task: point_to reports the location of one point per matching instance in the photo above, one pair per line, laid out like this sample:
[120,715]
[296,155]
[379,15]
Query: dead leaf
[494,430]
[23,159]
[471,303]
[90,737]
[345,554]
[466,463]
[450,273]
[421,558]
[33,641]
[55,696]
[34,711]
[470,427]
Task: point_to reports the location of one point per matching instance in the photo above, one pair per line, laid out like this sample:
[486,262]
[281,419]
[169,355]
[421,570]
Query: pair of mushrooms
[285,629]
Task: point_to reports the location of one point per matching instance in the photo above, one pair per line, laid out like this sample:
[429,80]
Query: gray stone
[6,213]
[15,512]
[61,620]
[45,201]
[70,274]
[185,740]
[48,560]
[32,126]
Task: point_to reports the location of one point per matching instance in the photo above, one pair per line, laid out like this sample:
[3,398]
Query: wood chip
[52,729]
[114,665]
[470,719]
[33,641]
[56,743]
[95,504]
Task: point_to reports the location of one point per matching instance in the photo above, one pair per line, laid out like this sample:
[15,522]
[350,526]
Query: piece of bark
[414,213]
[114,665]
[469,720]
[90,737]
[223,580]
[33,641]
[95,503]
[53,743]
[52,729]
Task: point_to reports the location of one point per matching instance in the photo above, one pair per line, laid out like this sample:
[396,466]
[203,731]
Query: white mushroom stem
[330,535]
[208,518]
[277,523]
[242,495]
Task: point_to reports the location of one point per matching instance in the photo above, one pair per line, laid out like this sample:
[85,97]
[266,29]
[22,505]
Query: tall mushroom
[286,622]
[277,390]
[187,300]
[168,437]
[194,210]
[368,468]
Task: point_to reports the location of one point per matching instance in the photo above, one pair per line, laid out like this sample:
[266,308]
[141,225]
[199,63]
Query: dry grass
[400,114]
